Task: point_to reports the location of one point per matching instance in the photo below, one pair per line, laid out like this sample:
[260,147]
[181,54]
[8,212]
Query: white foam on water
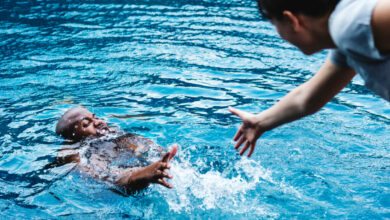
[212,190]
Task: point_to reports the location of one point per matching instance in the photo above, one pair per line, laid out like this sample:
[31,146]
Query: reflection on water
[177,65]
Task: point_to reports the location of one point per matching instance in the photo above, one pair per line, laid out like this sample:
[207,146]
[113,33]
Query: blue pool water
[167,70]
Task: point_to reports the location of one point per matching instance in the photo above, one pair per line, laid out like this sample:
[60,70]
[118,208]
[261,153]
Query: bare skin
[79,123]
[304,100]
[83,124]
[381,26]
[310,35]
[154,173]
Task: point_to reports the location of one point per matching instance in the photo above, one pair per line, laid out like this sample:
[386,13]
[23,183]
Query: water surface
[176,66]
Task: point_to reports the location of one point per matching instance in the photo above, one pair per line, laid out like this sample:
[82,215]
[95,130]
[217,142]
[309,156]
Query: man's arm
[306,99]
[134,180]
[381,25]
[64,156]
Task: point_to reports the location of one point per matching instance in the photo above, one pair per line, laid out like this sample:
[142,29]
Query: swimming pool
[167,70]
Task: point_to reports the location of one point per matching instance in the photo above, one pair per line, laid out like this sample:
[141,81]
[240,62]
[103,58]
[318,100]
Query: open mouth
[102,129]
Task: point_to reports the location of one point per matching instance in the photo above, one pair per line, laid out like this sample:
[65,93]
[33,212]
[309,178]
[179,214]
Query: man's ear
[294,19]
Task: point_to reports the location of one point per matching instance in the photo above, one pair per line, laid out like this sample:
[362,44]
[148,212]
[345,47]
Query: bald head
[78,123]
[68,122]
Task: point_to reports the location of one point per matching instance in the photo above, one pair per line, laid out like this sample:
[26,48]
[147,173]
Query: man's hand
[154,173]
[248,133]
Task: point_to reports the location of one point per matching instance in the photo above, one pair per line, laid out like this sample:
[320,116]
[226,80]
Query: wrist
[266,120]
[132,180]
[124,178]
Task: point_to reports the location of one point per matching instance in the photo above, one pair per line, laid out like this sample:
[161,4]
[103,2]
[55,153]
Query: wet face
[86,124]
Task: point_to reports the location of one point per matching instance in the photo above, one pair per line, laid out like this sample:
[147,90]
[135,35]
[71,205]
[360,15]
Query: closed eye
[86,122]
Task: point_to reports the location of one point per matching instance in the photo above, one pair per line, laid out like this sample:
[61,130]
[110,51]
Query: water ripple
[167,70]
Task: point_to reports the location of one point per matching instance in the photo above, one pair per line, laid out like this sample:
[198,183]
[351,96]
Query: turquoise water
[167,70]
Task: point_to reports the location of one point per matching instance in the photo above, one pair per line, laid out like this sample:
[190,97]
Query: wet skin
[85,124]
[90,125]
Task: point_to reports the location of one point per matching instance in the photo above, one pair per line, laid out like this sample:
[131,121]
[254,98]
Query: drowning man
[109,155]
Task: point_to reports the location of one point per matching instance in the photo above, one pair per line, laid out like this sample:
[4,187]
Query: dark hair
[274,8]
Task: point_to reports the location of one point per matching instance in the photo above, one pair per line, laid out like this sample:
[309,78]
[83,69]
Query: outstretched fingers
[161,174]
[163,166]
[252,148]
[246,146]
[164,183]
[238,134]
[166,156]
[248,133]
[235,111]
[239,143]
[172,152]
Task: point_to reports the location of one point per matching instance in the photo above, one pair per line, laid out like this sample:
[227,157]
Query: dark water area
[168,70]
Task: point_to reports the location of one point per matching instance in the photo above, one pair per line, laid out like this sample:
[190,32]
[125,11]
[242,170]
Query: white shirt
[350,29]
